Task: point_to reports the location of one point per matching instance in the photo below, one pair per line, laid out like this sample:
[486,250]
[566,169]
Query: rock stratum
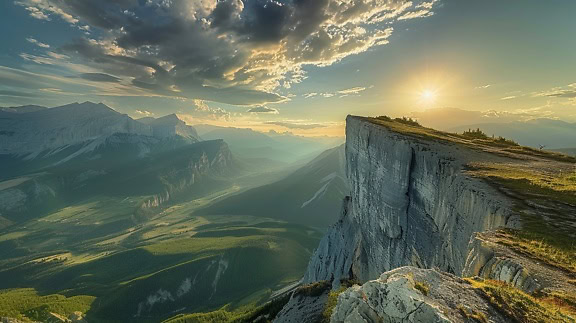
[427,208]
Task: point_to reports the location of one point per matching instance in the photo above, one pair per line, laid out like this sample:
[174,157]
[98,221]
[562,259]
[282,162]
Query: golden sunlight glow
[428,97]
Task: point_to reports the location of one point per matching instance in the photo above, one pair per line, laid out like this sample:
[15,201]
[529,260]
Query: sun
[428,96]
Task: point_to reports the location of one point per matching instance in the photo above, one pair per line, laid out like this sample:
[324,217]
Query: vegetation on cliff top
[522,307]
[471,138]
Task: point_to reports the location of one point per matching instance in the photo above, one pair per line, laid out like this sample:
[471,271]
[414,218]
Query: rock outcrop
[410,294]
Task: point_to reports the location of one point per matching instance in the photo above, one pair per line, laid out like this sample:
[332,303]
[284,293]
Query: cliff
[410,204]
[462,205]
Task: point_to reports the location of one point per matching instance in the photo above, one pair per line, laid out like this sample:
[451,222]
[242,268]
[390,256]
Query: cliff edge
[450,206]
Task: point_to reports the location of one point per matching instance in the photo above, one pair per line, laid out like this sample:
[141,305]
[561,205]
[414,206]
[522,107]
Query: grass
[519,306]
[197,245]
[557,184]
[26,304]
[474,138]
[422,287]
[116,261]
[472,315]
[554,250]
[545,199]
[314,289]
[242,315]
[331,304]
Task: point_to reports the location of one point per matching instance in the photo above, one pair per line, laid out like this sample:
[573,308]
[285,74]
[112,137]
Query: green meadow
[99,258]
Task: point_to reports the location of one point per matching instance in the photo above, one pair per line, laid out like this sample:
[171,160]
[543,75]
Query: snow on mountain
[46,129]
[171,125]
[80,128]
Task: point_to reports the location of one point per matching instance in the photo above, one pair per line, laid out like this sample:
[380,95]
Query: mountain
[158,178]
[567,151]
[87,131]
[311,195]
[169,126]
[22,109]
[276,147]
[29,134]
[76,151]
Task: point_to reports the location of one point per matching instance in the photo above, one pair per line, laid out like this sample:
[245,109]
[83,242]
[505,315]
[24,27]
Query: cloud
[263,109]
[509,97]
[296,125]
[99,77]
[481,87]
[35,42]
[239,52]
[354,90]
[145,113]
[18,94]
[203,111]
[568,92]
[416,14]
[341,93]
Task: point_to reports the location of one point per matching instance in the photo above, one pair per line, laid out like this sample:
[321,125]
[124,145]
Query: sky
[292,65]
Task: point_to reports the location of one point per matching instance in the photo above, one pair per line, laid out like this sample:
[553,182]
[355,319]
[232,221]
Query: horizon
[60,53]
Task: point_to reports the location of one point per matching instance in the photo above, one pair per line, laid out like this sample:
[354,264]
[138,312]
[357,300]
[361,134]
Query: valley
[107,224]
[154,268]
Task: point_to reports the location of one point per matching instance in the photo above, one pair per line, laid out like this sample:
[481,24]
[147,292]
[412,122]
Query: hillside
[275,147]
[311,195]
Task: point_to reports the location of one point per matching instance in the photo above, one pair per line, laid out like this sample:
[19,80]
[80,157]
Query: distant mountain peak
[168,119]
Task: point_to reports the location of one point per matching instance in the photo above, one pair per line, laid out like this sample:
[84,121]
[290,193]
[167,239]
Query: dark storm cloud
[232,51]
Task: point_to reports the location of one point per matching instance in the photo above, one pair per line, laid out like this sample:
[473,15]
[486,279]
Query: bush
[408,121]
[331,304]
[314,289]
[475,134]
[422,287]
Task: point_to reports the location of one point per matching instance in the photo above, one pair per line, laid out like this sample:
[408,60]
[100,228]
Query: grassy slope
[284,199]
[26,304]
[96,248]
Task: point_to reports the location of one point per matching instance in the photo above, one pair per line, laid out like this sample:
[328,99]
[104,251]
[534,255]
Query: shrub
[314,289]
[472,315]
[475,134]
[422,287]
[331,304]
[408,121]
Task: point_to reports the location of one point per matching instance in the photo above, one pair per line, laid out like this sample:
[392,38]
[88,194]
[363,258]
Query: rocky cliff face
[411,203]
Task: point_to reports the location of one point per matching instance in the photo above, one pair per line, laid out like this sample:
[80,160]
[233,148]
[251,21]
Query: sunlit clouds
[247,52]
